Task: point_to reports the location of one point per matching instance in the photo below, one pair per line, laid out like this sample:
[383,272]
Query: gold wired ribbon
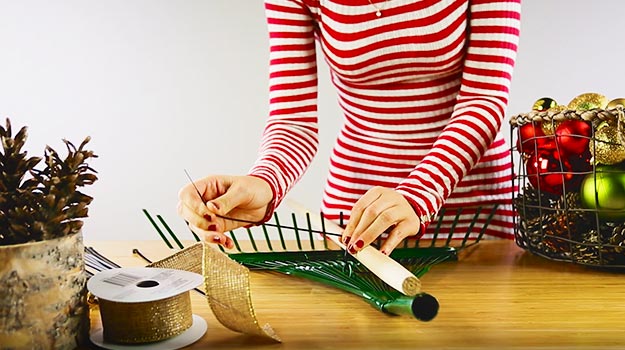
[145,322]
[228,292]
[226,284]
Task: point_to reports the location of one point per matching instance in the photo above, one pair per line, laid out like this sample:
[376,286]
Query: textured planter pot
[43,295]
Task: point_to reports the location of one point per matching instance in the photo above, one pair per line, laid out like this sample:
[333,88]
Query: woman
[423,86]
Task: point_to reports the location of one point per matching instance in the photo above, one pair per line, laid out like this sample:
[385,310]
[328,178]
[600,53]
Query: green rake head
[305,251]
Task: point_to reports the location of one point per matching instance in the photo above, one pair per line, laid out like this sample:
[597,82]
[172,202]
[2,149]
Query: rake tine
[236,242]
[299,243]
[267,238]
[158,229]
[453,227]
[171,233]
[477,214]
[323,229]
[249,234]
[310,232]
[438,227]
[275,216]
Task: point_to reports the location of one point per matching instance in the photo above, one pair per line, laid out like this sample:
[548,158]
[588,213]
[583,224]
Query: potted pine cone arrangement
[43,296]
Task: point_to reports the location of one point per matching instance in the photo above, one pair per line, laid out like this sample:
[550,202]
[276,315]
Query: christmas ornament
[548,171]
[531,138]
[573,136]
[615,103]
[581,163]
[607,146]
[549,127]
[588,101]
[544,104]
[604,191]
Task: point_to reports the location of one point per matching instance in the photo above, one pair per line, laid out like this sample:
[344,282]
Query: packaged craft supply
[146,308]
[570,180]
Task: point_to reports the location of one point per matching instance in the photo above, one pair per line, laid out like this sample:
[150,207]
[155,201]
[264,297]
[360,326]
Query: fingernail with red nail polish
[360,243]
[346,240]
[208,217]
[212,228]
[216,238]
[351,250]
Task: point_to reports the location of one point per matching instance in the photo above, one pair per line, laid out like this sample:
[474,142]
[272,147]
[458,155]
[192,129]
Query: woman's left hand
[374,213]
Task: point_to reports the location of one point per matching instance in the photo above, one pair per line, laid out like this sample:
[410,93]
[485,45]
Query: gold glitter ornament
[588,101]
[607,146]
[549,127]
[615,103]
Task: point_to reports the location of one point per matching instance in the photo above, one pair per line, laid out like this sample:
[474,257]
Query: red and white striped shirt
[423,88]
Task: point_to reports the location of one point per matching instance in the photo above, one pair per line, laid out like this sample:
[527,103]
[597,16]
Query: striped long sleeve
[423,89]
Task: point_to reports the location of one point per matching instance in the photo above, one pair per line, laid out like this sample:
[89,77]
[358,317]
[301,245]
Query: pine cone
[41,204]
[531,203]
[587,251]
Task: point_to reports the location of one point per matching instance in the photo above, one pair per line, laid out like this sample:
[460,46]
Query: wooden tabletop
[495,296]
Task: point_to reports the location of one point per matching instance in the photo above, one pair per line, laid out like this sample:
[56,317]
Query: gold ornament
[549,126]
[607,146]
[547,104]
[543,104]
[615,103]
[588,101]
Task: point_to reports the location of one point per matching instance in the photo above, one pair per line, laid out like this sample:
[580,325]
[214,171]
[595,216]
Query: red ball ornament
[531,137]
[547,171]
[581,163]
[573,136]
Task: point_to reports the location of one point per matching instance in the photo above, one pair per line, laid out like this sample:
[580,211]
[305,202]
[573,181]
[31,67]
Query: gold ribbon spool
[143,305]
[145,322]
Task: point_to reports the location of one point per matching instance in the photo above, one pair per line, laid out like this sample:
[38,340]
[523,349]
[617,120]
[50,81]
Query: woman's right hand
[246,198]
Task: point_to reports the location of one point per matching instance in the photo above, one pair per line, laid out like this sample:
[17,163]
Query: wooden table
[495,296]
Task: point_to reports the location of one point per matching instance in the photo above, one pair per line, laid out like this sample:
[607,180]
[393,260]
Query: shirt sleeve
[493,35]
[290,138]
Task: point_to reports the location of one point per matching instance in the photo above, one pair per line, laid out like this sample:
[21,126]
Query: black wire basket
[570,184]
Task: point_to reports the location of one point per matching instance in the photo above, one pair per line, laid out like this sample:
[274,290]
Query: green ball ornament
[604,191]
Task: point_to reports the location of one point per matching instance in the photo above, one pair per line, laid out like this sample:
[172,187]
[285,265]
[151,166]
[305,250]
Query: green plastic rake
[306,252]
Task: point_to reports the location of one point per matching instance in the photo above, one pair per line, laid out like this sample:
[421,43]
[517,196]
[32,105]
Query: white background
[163,86]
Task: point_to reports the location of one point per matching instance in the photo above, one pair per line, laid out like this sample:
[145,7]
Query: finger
[230,200]
[193,217]
[382,212]
[194,201]
[213,236]
[224,224]
[357,212]
[400,232]
[374,229]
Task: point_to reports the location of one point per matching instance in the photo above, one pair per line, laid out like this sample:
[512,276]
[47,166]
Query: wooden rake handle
[387,269]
